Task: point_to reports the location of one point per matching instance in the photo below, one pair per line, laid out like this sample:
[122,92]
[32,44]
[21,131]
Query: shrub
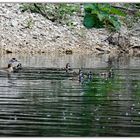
[54,12]
[102,15]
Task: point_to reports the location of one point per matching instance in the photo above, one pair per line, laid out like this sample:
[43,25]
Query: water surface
[39,101]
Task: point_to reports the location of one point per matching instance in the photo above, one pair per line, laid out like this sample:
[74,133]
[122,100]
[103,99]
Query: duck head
[13,60]
[67,67]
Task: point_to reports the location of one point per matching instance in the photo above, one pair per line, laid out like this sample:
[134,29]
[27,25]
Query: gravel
[25,32]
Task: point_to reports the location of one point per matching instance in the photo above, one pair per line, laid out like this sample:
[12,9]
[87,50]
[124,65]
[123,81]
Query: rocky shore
[25,32]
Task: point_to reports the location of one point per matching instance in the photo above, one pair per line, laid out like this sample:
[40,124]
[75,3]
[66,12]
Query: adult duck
[7,69]
[15,64]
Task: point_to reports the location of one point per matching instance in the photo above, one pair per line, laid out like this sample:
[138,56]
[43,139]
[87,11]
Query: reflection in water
[39,101]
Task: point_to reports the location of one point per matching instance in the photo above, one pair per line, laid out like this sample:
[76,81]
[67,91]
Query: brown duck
[8,69]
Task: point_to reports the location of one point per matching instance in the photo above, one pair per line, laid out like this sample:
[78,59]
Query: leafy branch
[102,15]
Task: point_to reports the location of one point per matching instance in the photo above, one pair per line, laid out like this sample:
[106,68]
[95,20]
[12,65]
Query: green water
[39,101]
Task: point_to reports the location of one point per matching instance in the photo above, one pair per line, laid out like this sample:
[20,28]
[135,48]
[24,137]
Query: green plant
[133,16]
[30,7]
[54,12]
[102,15]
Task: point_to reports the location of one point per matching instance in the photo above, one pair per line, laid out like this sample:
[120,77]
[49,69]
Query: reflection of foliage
[136,88]
[97,90]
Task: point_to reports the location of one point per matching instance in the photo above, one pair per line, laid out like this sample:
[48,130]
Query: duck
[108,74]
[77,76]
[8,69]
[69,70]
[81,76]
[68,67]
[87,77]
[90,76]
[15,64]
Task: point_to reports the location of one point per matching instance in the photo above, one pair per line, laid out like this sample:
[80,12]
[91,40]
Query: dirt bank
[25,32]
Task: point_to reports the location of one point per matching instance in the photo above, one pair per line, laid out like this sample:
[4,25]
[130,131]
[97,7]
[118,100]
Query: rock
[14,23]
[120,40]
[8,51]
[69,52]
[136,50]
[134,41]
[34,37]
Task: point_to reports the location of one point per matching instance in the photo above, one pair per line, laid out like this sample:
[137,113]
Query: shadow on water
[46,101]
